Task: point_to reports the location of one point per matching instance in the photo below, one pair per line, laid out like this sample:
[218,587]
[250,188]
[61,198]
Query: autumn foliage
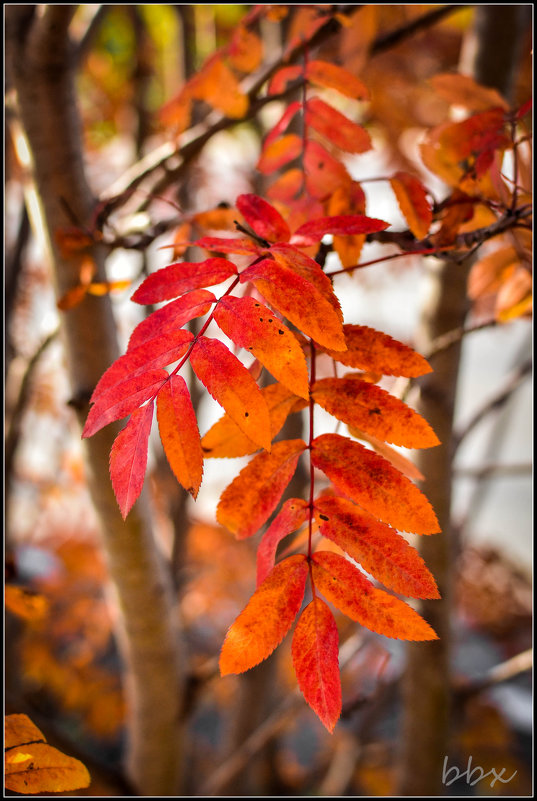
[265,284]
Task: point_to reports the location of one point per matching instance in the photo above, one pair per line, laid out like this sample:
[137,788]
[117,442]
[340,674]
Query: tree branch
[495,402]
[163,158]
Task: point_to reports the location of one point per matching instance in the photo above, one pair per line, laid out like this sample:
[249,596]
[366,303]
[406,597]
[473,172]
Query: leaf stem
[310,442]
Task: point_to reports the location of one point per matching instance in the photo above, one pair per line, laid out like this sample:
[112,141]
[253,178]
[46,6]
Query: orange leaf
[293,513]
[338,129]
[32,766]
[251,325]
[371,481]
[19,729]
[374,351]
[267,617]
[176,113]
[348,199]
[354,595]
[254,494]
[298,299]
[179,433]
[384,553]
[245,50]
[412,198]
[324,73]
[515,295]
[375,411]
[104,287]
[232,386]
[279,152]
[26,603]
[217,86]
[72,298]
[462,90]
[282,123]
[290,256]
[287,186]
[225,438]
[40,768]
[128,458]
[486,274]
[394,457]
[316,661]
[324,173]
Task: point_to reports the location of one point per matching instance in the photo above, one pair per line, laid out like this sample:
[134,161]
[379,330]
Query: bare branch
[496,402]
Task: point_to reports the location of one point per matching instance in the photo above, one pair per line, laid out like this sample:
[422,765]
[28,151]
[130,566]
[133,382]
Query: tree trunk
[39,57]
[490,55]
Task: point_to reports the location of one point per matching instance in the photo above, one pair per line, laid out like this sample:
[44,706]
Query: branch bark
[40,58]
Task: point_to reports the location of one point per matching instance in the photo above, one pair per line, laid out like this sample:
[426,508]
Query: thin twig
[496,402]
[493,471]
[14,425]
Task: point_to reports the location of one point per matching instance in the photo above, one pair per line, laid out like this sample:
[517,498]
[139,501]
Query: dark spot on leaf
[270,319]
[376,410]
[246,414]
[280,331]
[260,319]
[324,517]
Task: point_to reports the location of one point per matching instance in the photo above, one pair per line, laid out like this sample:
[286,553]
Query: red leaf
[373,410]
[338,129]
[232,386]
[173,315]
[228,245]
[157,352]
[179,433]
[316,661]
[128,458]
[176,279]
[324,173]
[282,123]
[324,73]
[298,299]
[374,351]
[121,399]
[314,230]
[263,218]
[251,325]
[371,481]
[412,198]
[354,595]
[279,152]
[225,438]
[282,77]
[267,617]
[254,494]
[293,513]
[384,553]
